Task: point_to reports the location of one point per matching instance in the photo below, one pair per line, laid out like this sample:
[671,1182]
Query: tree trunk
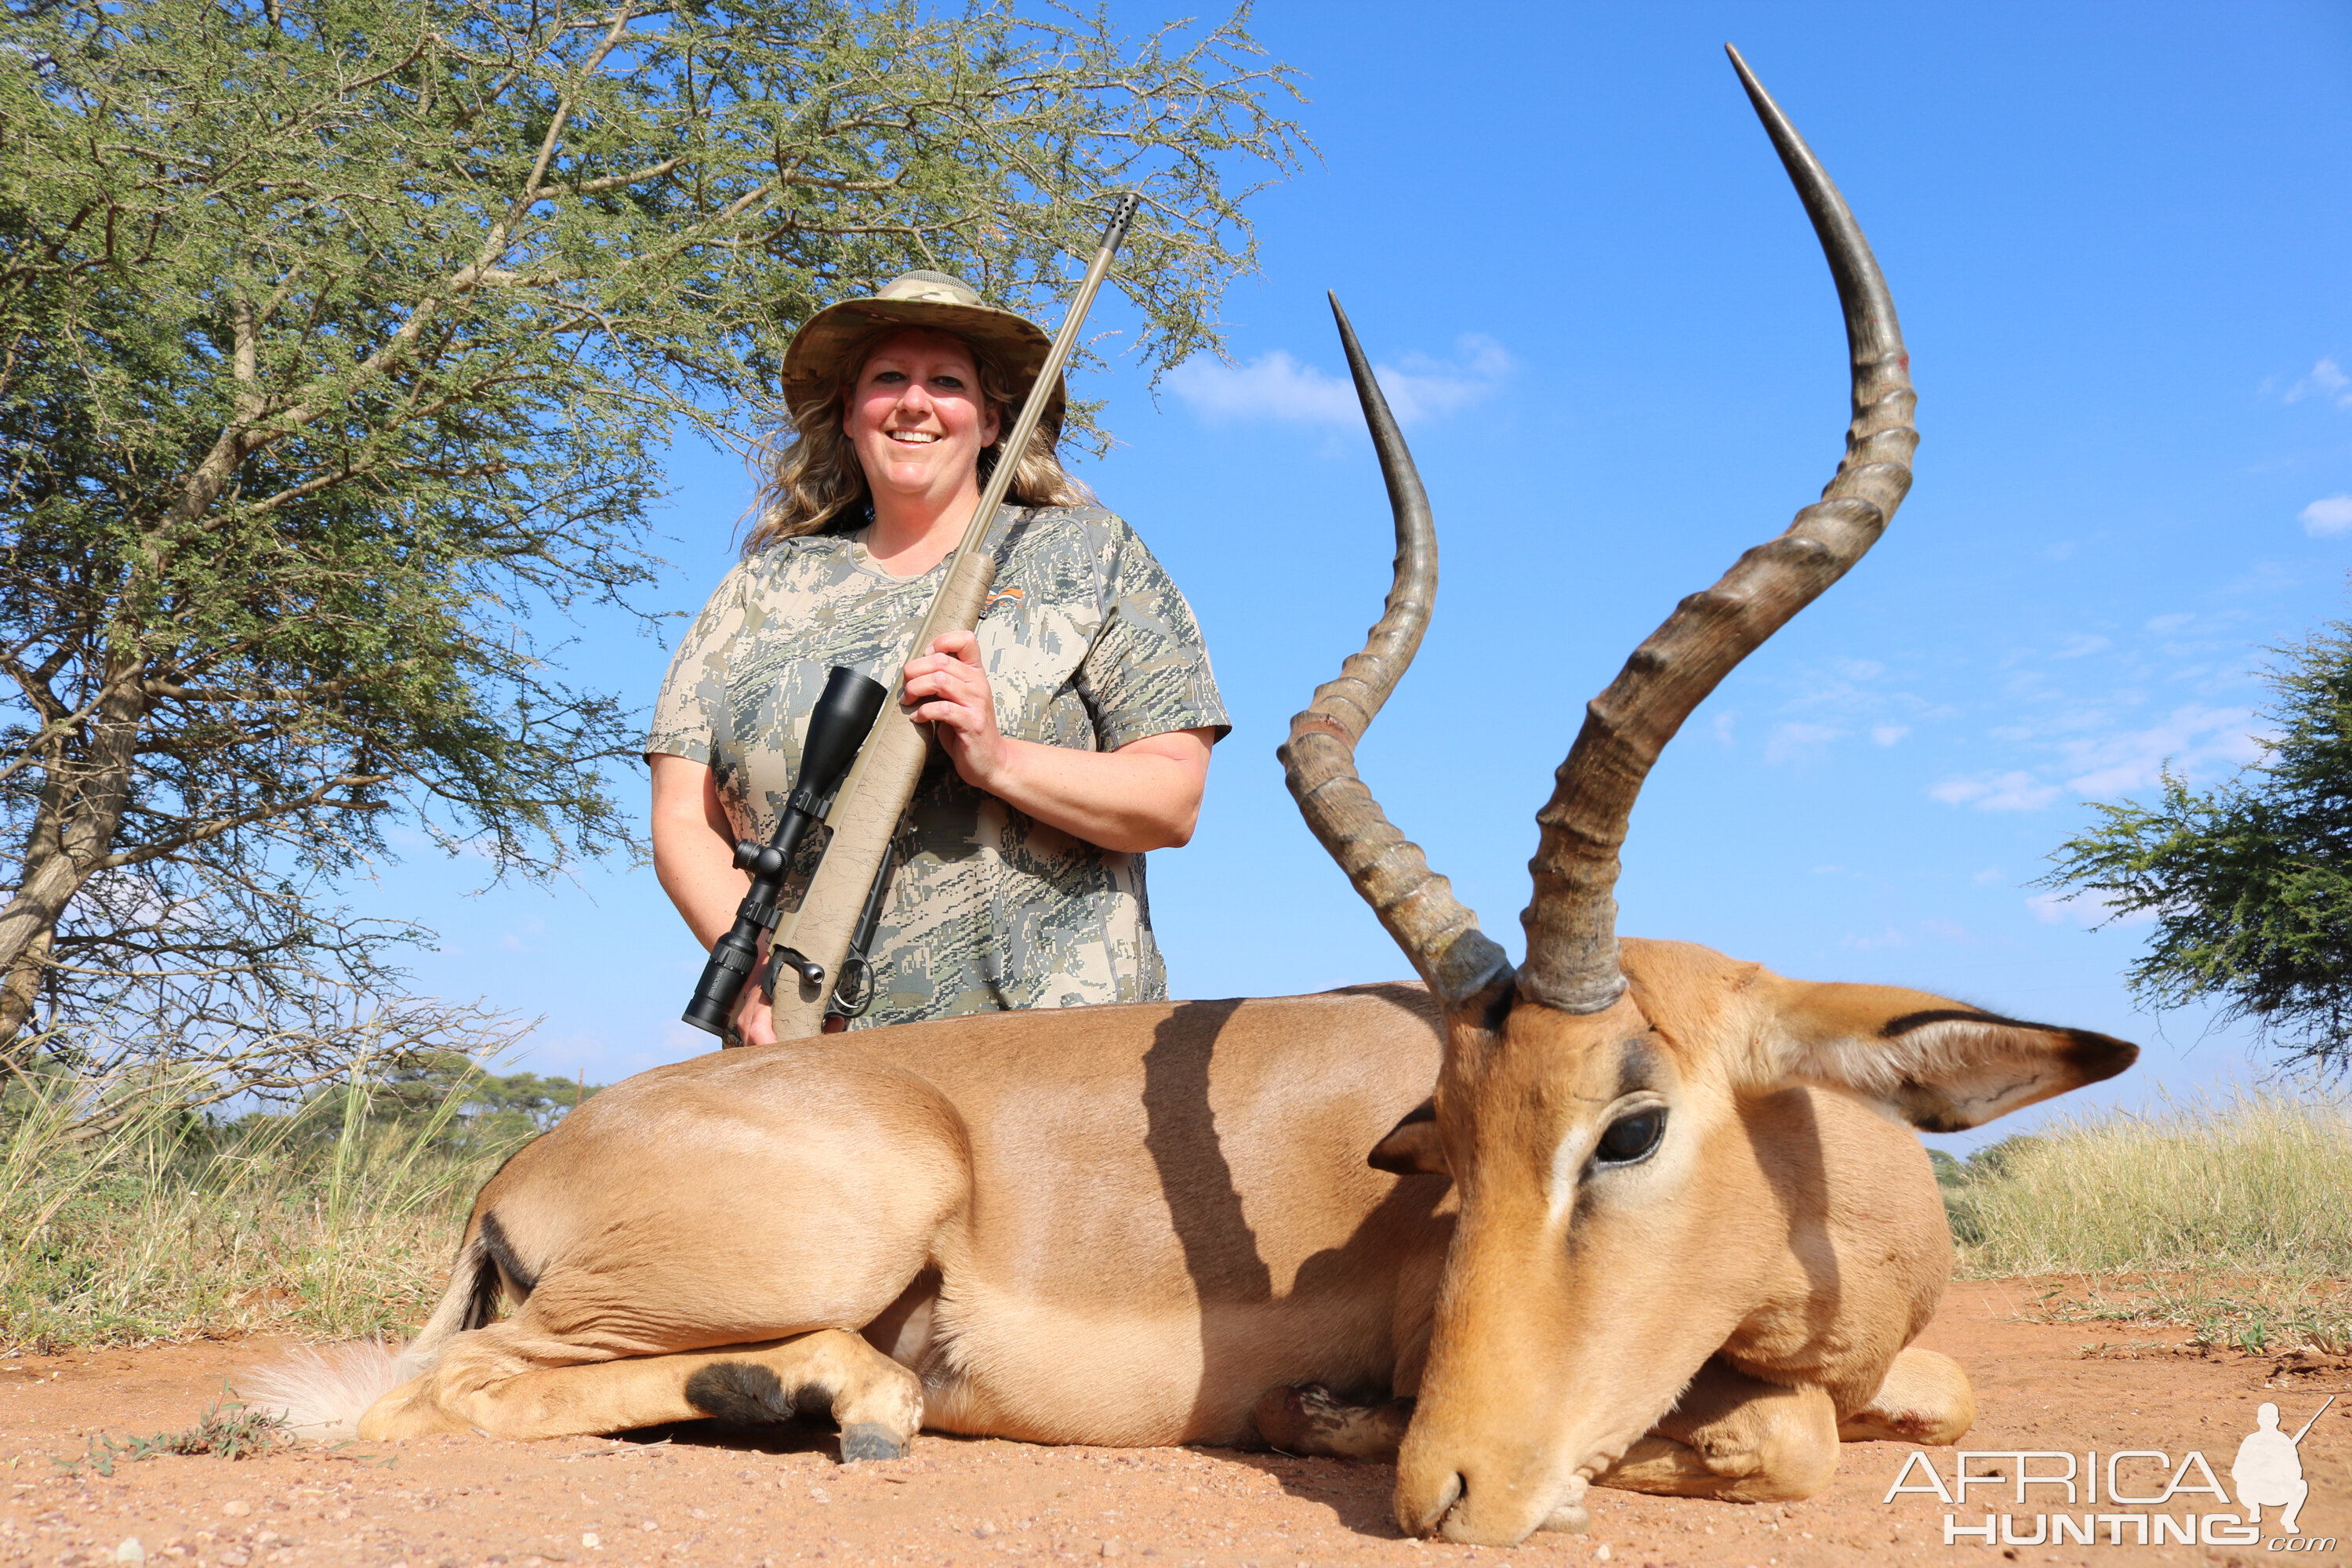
[81,809]
[87,790]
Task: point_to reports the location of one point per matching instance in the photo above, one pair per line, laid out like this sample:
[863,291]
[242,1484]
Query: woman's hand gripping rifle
[838,726]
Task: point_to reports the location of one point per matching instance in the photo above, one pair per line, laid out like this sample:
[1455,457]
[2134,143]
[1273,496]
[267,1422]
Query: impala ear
[1938,1065]
[1412,1148]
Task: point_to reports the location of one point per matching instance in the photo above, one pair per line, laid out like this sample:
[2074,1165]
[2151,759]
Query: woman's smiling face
[917,417]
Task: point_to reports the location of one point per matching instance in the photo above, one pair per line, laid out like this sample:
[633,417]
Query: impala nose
[1490,1516]
[1435,1513]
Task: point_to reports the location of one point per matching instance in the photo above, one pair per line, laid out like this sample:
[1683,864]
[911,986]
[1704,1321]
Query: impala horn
[1319,761]
[1571,924]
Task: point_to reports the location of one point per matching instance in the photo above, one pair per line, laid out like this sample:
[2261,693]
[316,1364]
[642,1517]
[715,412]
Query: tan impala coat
[1637,1215]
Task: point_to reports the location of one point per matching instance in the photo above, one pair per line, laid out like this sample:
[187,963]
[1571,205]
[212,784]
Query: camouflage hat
[930,300]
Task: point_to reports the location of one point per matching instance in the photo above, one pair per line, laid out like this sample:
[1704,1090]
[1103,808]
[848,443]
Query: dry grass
[2228,1219]
[336,1220]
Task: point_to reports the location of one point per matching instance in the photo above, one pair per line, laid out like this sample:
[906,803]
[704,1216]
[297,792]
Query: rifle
[842,718]
[813,946]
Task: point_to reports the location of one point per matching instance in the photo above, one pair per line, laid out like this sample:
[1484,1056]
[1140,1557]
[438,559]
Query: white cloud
[2083,909]
[2326,381]
[527,939]
[1790,742]
[678,1041]
[2083,643]
[1887,734]
[1273,385]
[1425,388]
[2014,791]
[1988,877]
[2050,908]
[2329,514]
[1277,386]
[2164,626]
[2195,738]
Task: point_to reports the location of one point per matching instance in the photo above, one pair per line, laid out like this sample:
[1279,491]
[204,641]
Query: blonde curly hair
[816,480]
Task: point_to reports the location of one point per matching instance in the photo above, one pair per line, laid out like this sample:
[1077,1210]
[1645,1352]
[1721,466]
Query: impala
[1630,1213]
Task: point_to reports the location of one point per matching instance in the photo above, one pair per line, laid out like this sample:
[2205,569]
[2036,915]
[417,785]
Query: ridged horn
[1571,924]
[1318,760]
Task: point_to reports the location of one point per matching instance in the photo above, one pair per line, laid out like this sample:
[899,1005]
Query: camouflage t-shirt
[1086,644]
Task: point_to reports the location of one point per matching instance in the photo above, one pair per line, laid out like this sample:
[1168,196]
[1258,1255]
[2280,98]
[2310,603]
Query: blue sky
[2119,238]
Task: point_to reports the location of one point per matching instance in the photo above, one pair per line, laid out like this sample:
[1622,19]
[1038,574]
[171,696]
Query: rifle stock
[872,800]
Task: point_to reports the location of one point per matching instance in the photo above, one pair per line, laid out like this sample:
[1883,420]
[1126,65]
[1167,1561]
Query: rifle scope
[836,729]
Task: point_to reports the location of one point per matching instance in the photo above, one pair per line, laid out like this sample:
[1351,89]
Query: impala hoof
[866,1440]
[1305,1419]
[1568,1519]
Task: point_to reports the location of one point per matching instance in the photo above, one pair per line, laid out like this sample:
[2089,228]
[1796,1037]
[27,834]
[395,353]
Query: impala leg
[1734,1438]
[1925,1399]
[484,1383]
[1308,1421]
[877,1403]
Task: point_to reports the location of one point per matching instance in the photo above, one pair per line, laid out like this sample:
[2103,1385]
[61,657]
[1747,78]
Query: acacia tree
[340,341]
[2251,884]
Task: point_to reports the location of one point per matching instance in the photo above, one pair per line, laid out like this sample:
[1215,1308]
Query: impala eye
[1631,1137]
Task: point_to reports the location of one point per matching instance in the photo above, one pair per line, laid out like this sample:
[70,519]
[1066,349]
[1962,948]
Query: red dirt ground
[695,1494]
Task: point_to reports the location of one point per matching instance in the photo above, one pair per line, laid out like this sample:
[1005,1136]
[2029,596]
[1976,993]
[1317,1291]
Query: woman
[1074,724]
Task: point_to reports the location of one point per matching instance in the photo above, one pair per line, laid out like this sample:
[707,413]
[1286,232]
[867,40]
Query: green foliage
[2251,884]
[227,1430]
[490,1108]
[339,341]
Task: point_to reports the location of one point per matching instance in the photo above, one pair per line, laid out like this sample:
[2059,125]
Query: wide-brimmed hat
[934,299]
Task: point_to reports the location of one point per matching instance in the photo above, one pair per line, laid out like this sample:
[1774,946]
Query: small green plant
[228,1430]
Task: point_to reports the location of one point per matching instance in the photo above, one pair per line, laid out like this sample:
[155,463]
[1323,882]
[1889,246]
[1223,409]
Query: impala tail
[322,1392]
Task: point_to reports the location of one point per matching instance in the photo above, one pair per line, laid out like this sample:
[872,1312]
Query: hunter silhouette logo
[2268,1470]
[2156,1501]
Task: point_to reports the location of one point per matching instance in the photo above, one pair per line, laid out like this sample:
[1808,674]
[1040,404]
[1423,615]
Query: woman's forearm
[694,847]
[694,856]
[1145,795]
